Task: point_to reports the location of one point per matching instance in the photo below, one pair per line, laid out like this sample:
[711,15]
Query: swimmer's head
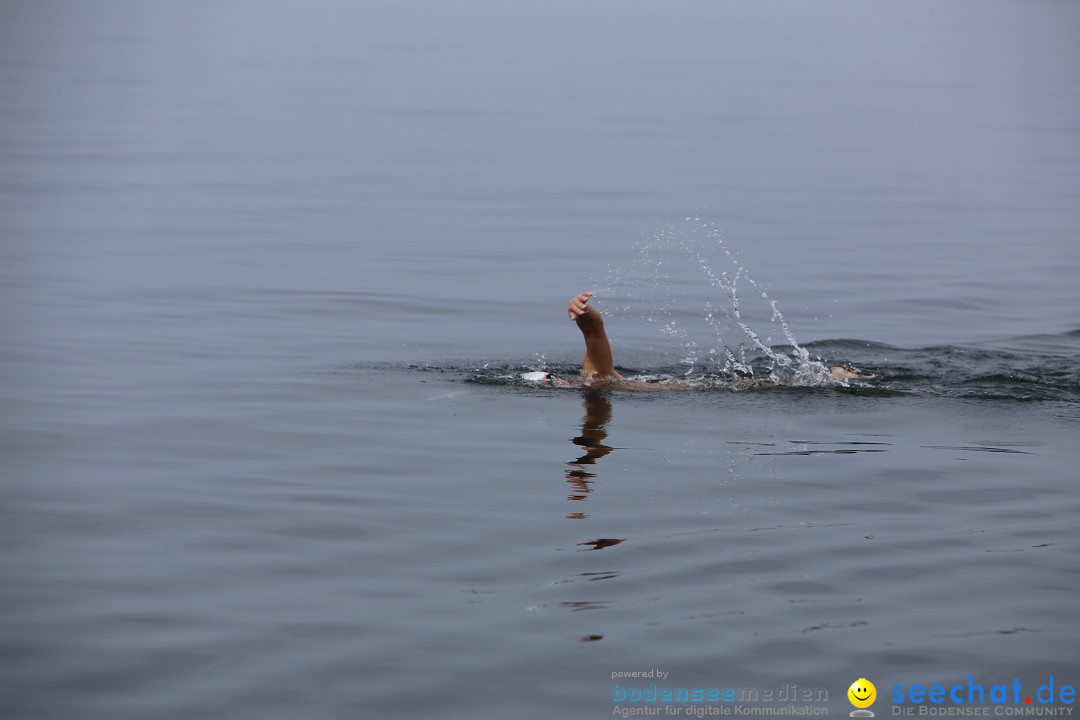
[546,378]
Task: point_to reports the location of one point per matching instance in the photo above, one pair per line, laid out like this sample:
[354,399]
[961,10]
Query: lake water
[269,273]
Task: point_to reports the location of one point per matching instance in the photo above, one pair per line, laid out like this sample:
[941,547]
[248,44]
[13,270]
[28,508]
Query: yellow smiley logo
[862,693]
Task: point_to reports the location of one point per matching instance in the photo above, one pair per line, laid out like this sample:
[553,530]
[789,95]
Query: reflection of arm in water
[593,434]
[597,363]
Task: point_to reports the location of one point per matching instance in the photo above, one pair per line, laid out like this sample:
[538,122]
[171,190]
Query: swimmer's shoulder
[610,382]
[622,383]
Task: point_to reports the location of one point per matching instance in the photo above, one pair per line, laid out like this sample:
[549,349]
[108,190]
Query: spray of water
[723,336]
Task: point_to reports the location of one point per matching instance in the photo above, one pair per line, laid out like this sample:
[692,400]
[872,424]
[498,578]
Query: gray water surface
[269,272]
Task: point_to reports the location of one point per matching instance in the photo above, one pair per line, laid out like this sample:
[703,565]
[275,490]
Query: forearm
[598,360]
[598,356]
[590,322]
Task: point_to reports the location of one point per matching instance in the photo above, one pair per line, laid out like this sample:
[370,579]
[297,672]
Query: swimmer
[598,368]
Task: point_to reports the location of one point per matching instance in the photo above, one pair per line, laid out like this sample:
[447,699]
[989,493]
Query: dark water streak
[1050,373]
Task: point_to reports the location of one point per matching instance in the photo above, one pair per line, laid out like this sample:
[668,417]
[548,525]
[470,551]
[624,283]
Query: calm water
[268,271]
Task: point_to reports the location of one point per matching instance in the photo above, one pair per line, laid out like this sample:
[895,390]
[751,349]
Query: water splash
[720,329]
[1042,368]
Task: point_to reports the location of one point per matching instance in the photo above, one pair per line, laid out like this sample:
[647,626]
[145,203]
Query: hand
[578,305]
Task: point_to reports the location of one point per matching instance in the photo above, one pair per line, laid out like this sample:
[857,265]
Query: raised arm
[597,363]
